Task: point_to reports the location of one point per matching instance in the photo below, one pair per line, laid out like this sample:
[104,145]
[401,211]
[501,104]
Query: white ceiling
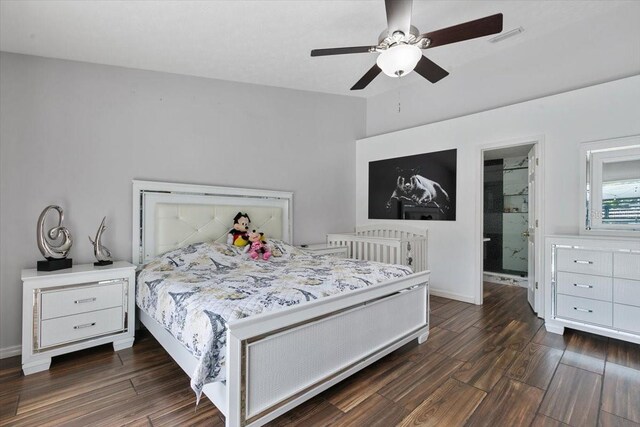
[268,42]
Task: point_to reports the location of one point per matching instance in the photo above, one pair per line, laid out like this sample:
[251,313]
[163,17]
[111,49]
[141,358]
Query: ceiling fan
[401,43]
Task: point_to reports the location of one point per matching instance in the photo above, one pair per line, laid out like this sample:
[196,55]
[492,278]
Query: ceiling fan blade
[367,78]
[430,70]
[469,30]
[398,15]
[342,50]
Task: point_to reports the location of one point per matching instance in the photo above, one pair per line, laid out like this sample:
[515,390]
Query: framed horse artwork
[418,187]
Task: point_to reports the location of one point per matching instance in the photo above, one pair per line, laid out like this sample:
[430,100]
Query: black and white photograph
[418,187]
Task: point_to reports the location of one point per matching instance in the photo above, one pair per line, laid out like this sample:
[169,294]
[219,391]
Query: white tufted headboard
[167,216]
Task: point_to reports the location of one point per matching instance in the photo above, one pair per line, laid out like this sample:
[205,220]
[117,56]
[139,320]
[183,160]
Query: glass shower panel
[515,214]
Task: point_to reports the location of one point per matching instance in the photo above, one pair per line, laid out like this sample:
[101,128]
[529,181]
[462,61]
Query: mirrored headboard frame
[150,196]
[589,225]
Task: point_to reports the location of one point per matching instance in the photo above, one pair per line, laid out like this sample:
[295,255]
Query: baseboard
[451,295]
[14,350]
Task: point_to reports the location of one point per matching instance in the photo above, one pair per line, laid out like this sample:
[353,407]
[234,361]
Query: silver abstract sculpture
[102,254]
[48,247]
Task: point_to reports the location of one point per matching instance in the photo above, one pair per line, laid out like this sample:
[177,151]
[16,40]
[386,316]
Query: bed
[274,360]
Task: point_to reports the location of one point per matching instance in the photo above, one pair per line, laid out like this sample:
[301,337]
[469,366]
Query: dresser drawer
[585,262]
[584,285]
[626,266]
[626,292]
[584,310]
[80,326]
[81,299]
[626,317]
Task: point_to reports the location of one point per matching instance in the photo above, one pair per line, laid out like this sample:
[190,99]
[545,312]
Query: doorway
[510,214]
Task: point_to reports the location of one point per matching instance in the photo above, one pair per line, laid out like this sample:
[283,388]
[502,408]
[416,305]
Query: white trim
[539,141]
[558,326]
[14,350]
[209,189]
[452,295]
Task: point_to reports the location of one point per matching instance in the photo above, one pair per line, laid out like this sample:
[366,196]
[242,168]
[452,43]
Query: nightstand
[324,249]
[75,308]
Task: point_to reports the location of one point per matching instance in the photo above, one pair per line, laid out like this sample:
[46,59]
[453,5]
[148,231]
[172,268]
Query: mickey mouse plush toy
[238,235]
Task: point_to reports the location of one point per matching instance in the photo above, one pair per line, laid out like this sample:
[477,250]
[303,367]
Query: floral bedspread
[194,291]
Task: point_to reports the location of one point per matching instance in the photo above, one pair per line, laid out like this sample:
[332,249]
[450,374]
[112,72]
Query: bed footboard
[279,367]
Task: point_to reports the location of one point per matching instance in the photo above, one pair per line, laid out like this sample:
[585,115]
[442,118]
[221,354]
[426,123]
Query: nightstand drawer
[585,310]
[80,326]
[585,262]
[83,299]
[584,285]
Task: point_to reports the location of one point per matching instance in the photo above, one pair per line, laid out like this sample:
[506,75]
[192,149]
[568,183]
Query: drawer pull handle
[86,325]
[578,285]
[82,301]
[580,261]
[586,310]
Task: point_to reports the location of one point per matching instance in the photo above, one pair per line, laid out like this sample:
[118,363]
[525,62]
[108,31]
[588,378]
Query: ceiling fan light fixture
[399,60]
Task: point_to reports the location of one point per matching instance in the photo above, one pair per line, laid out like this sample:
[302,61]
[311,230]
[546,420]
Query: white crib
[389,243]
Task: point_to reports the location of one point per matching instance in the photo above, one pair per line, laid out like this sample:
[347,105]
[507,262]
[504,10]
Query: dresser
[75,308]
[593,284]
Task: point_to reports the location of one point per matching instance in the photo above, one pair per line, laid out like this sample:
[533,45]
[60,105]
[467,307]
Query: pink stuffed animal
[258,246]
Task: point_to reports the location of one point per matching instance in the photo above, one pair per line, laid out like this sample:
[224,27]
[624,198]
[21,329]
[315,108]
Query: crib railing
[394,232]
[393,245]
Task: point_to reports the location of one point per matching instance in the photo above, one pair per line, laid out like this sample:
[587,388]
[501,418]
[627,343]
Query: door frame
[539,141]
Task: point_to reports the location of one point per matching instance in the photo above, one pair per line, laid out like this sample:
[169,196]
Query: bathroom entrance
[510,217]
[508,220]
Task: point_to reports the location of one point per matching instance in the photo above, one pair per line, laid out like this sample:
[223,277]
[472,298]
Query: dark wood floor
[482,365]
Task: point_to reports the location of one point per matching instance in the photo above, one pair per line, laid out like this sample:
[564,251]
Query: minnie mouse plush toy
[257,246]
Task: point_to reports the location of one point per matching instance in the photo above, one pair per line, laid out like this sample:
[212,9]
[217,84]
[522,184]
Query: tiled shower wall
[506,215]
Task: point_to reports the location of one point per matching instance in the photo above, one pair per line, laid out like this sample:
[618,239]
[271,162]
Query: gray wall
[76,134]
